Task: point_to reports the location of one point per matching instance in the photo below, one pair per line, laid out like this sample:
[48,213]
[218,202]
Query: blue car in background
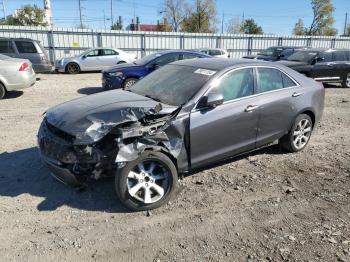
[126,75]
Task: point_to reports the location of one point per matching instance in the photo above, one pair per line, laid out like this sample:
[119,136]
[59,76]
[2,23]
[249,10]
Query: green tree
[27,16]
[249,26]
[323,20]
[201,17]
[299,28]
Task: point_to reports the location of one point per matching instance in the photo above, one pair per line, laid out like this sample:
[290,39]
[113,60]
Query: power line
[346,23]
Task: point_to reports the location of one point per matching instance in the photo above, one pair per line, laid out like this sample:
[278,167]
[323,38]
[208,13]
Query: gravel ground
[265,206]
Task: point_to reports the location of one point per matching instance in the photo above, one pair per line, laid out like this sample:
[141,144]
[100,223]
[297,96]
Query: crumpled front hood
[85,118]
[125,66]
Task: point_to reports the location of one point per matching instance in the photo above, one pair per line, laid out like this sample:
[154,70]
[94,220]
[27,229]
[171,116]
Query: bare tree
[299,28]
[233,26]
[175,12]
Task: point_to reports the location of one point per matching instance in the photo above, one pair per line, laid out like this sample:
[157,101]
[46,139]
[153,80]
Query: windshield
[147,59]
[271,51]
[173,84]
[303,56]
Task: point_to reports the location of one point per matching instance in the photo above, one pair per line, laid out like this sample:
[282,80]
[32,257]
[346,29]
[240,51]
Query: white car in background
[215,52]
[95,59]
[15,73]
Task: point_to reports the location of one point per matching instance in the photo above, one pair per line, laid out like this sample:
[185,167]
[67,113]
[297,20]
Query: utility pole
[222,22]
[80,15]
[3,8]
[48,13]
[346,23]
[111,13]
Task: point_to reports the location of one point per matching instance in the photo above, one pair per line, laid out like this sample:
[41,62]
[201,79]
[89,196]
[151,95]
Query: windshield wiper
[153,98]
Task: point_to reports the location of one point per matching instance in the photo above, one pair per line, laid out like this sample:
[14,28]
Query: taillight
[24,66]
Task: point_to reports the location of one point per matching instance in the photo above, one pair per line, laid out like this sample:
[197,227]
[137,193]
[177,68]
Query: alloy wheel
[348,80]
[302,133]
[148,182]
[73,68]
[129,84]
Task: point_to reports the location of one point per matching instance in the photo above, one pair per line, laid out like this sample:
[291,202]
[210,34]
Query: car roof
[326,50]
[220,63]
[179,51]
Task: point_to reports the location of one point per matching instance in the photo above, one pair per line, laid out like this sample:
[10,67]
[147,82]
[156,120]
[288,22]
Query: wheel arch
[72,62]
[165,152]
[311,114]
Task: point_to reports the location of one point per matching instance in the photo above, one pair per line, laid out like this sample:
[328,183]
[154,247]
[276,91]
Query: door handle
[295,94]
[250,108]
[330,64]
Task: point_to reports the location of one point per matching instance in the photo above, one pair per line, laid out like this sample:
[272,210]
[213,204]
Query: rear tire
[299,135]
[2,91]
[147,182]
[72,68]
[346,81]
[129,82]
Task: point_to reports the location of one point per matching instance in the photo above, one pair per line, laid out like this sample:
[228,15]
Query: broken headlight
[95,132]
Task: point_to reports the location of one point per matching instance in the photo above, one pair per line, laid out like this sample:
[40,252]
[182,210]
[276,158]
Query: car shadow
[90,90]
[13,94]
[23,172]
[274,149]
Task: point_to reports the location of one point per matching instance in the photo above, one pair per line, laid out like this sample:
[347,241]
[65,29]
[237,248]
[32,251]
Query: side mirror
[213,99]
[83,57]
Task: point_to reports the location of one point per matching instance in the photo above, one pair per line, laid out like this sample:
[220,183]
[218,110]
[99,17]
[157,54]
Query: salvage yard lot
[266,205]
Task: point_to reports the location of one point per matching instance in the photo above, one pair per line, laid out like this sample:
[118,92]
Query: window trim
[281,71]
[256,85]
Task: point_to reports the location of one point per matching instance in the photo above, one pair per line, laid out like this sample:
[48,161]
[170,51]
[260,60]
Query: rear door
[340,64]
[277,95]
[6,48]
[109,58]
[230,128]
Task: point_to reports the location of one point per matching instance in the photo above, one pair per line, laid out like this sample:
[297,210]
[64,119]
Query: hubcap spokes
[348,80]
[302,133]
[130,84]
[148,182]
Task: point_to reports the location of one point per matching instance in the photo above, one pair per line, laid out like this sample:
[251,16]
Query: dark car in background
[326,65]
[126,75]
[275,53]
[27,49]
[184,116]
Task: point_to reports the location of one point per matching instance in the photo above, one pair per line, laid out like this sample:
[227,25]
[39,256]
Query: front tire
[72,68]
[346,81]
[299,135]
[147,182]
[2,91]
[129,82]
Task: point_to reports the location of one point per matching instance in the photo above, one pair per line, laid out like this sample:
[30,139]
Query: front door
[91,60]
[230,128]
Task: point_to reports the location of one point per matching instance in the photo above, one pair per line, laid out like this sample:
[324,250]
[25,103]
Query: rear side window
[287,52]
[214,52]
[236,84]
[109,52]
[270,79]
[6,47]
[26,47]
[287,81]
[339,56]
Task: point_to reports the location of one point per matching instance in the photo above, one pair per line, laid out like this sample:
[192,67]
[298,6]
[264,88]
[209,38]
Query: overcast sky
[275,16]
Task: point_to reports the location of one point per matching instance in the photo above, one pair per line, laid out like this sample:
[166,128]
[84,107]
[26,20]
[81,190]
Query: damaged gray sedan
[182,117]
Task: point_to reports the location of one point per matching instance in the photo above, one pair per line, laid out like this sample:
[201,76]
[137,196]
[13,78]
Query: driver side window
[166,59]
[92,53]
[237,84]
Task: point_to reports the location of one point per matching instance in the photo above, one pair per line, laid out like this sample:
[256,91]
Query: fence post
[143,45]
[333,43]
[218,42]
[99,39]
[309,42]
[280,41]
[50,41]
[250,45]
[182,42]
